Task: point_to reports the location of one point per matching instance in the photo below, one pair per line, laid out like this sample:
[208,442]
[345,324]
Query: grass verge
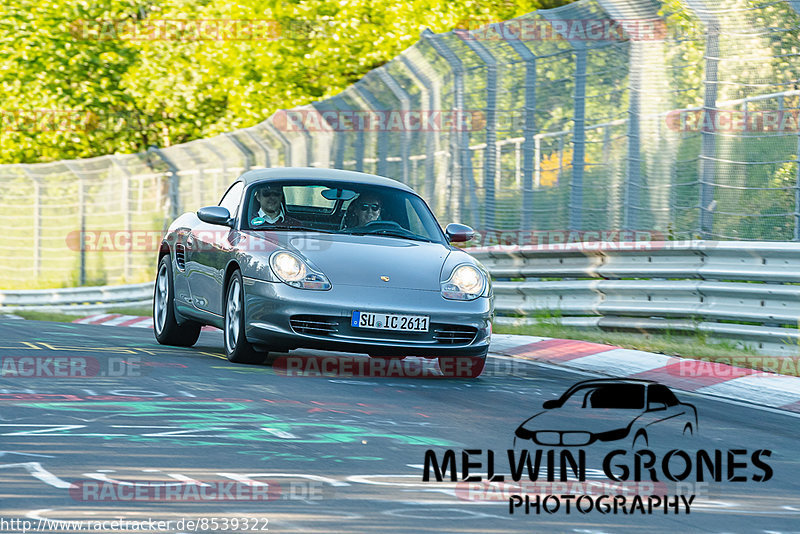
[68,318]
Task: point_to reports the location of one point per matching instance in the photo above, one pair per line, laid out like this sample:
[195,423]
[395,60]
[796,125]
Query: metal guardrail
[77,299]
[740,291]
[743,291]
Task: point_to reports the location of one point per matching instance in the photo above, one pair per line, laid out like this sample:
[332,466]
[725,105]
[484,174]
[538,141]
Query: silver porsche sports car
[324,259]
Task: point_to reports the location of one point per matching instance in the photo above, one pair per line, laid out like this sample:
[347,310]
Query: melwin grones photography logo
[641,440]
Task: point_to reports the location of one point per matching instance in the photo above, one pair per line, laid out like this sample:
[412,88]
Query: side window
[659,393]
[231,198]
[414,223]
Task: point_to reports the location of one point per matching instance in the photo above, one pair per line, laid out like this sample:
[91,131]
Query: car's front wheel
[237,348]
[165,325]
[462,366]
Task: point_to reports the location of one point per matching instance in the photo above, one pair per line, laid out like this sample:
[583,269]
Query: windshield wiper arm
[293,227]
[411,237]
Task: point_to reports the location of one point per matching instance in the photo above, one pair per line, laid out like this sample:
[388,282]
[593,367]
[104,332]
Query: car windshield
[339,207]
[608,396]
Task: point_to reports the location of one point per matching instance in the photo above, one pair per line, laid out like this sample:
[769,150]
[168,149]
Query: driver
[368,208]
[272,207]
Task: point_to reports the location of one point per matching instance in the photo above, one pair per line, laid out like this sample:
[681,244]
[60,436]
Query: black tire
[462,366]
[165,326]
[237,348]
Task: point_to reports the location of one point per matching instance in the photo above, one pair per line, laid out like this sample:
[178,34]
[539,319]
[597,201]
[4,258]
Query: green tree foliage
[74,84]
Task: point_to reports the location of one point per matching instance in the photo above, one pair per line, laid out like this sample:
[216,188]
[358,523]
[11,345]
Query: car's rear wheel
[462,366]
[165,325]
[237,348]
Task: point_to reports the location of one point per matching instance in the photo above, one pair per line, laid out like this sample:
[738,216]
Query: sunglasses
[375,207]
[270,193]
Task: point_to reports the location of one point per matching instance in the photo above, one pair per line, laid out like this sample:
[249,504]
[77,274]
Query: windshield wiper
[389,233]
[293,227]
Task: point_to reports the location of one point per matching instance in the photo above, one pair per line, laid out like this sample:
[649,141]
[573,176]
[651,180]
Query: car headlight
[466,283]
[293,271]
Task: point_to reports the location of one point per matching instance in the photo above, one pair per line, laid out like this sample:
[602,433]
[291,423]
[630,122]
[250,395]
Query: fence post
[632,202]
[261,144]
[174,179]
[287,146]
[463,158]
[224,174]
[708,146]
[578,139]
[797,194]
[82,219]
[431,136]
[383,134]
[490,157]
[249,157]
[530,146]
[405,104]
[37,221]
[126,213]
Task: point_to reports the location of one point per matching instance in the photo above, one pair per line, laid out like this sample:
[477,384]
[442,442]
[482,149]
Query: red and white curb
[708,378]
[133,321]
[703,377]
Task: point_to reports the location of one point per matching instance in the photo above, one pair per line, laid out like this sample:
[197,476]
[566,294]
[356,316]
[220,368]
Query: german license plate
[390,321]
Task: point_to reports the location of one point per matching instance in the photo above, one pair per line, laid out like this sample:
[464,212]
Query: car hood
[362,260]
[578,420]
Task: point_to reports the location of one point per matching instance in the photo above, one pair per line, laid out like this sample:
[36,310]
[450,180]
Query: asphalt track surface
[337,454]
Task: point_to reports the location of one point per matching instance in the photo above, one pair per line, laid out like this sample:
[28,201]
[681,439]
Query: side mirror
[459,233]
[215,215]
[656,406]
[549,405]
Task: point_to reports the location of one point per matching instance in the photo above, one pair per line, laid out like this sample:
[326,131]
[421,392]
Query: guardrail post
[531,146]
[490,156]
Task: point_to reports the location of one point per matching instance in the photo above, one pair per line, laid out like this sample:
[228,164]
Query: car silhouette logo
[639,411]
